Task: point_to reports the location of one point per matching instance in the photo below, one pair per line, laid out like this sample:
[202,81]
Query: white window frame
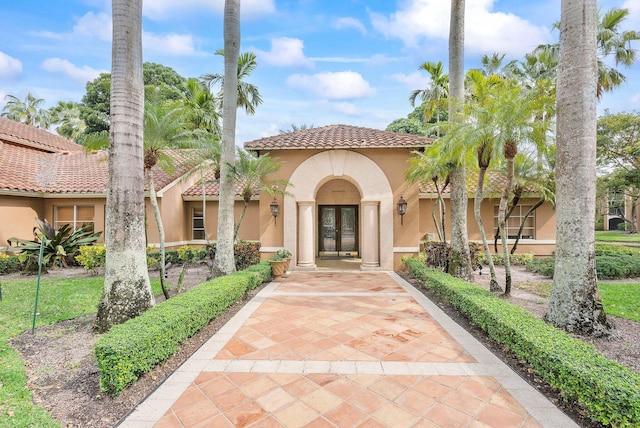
[76,223]
[518,213]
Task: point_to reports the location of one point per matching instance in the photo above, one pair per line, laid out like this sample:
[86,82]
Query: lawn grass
[616,236]
[619,299]
[59,300]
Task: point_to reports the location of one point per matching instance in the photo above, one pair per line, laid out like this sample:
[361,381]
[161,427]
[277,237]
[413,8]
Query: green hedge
[608,391]
[136,346]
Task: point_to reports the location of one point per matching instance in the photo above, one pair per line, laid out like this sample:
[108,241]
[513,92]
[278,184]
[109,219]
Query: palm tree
[613,42]
[459,260]
[201,107]
[224,262]
[127,290]
[436,95]
[164,128]
[248,95]
[431,166]
[251,172]
[28,111]
[66,114]
[575,303]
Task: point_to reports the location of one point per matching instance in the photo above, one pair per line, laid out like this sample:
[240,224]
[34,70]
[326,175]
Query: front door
[338,230]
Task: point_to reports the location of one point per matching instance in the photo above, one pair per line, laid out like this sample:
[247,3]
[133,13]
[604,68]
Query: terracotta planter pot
[278,268]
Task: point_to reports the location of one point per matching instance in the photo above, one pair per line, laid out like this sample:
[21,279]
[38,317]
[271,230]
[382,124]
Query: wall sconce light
[402,209]
[275,210]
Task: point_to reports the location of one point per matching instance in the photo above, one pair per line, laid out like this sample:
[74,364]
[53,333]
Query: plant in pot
[280,264]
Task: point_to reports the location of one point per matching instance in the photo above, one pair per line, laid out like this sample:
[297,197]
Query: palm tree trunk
[524,220]
[575,303]
[459,260]
[156,213]
[436,222]
[224,262]
[477,203]
[236,228]
[204,207]
[127,290]
[502,221]
[443,238]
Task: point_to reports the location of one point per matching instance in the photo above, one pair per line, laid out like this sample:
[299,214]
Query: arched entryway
[375,207]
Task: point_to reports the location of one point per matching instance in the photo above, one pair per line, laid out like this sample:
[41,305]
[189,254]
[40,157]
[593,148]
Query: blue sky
[320,62]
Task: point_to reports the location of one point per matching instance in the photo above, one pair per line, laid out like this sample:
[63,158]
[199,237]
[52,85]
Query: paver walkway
[344,349]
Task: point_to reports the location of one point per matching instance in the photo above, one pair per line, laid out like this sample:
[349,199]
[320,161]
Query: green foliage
[608,391]
[60,245]
[246,253]
[438,253]
[92,257]
[599,223]
[515,259]
[9,264]
[612,262]
[407,126]
[134,347]
[282,254]
[187,254]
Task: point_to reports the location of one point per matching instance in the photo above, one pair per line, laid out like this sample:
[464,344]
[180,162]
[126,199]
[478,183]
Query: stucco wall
[17,217]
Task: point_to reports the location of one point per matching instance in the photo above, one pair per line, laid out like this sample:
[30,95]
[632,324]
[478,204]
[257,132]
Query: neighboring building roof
[35,138]
[338,137]
[34,160]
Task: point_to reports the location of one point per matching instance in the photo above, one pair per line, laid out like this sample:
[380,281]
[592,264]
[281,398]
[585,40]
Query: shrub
[498,259]
[544,266]
[134,347]
[246,253]
[187,254]
[92,257]
[609,392]
[437,254]
[9,264]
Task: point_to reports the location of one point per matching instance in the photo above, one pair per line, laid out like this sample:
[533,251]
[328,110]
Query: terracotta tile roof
[30,136]
[212,188]
[338,137]
[493,185]
[26,169]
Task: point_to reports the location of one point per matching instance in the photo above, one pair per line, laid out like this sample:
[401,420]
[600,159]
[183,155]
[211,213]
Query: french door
[338,230]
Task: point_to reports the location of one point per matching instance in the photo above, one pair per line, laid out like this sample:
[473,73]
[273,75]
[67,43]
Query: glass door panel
[338,231]
[328,243]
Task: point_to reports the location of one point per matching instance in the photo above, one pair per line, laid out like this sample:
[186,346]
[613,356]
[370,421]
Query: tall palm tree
[434,97]
[224,262]
[251,173]
[164,128]
[27,111]
[248,94]
[459,260]
[127,290]
[612,42]
[575,303]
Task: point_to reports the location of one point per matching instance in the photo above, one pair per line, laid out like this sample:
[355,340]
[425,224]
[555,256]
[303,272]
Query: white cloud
[332,85]
[486,31]
[343,108]
[94,25]
[9,66]
[411,81]
[171,44]
[285,52]
[79,74]
[167,9]
[349,22]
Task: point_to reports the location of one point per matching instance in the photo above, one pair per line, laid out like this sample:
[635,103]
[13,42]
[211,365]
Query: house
[346,183]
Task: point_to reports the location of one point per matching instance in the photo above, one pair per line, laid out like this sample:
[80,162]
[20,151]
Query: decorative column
[306,253]
[370,235]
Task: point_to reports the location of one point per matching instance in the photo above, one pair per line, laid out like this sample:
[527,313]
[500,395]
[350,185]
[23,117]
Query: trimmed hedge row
[609,391]
[136,346]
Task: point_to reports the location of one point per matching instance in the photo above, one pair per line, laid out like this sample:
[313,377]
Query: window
[616,204]
[75,215]
[197,221]
[514,221]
